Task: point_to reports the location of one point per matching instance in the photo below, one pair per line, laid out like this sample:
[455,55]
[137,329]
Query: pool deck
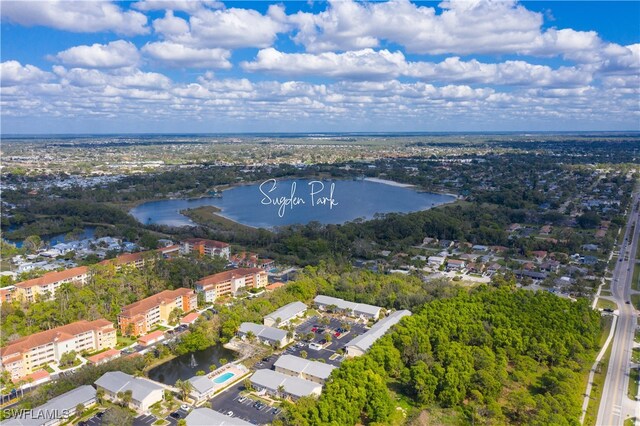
[238,370]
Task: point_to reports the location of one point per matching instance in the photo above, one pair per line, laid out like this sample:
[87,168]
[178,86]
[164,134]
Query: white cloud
[188,6]
[367,64]
[180,56]
[362,64]
[13,73]
[463,27]
[75,16]
[116,54]
[229,28]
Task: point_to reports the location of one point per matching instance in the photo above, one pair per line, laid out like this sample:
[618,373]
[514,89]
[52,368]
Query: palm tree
[185,388]
[99,395]
[281,391]
[251,336]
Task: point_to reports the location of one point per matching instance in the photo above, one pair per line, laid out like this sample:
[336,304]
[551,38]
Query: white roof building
[285,314]
[270,382]
[313,371]
[269,335]
[208,417]
[144,392]
[351,308]
[57,410]
[362,343]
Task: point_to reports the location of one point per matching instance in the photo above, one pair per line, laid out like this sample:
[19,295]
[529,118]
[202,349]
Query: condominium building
[209,248]
[230,282]
[361,344]
[22,356]
[45,287]
[140,317]
[295,366]
[132,260]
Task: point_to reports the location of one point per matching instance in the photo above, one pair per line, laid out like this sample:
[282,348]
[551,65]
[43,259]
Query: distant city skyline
[203,66]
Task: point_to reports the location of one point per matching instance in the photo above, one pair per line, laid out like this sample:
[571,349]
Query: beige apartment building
[204,247]
[45,287]
[230,282]
[141,316]
[25,355]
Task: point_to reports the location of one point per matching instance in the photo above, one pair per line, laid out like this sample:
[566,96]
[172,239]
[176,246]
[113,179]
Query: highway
[615,406]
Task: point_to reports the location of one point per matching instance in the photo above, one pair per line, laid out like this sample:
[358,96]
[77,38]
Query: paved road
[615,406]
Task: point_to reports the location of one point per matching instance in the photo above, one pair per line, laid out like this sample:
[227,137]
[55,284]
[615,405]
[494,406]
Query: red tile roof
[64,332]
[275,285]
[227,275]
[189,318]
[36,376]
[208,243]
[52,277]
[155,335]
[142,306]
[111,353]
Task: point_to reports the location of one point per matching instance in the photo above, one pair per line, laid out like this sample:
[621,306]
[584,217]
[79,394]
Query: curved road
[615,406]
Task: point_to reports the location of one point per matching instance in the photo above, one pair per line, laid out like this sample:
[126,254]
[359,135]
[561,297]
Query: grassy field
[635,299]
[606,304]
[635,281]
[599,377]
[633,383]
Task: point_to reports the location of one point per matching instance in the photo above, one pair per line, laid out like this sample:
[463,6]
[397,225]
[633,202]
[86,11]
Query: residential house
[353,309]
[262,333]
[230,282]
[493,268]
[362,343]
[456,265]
[285,314]
[144,392]
[204,247]
[313,371]
[282,385]
[203,388]
[140,317]
[23,356]
[436,261]
[540,255]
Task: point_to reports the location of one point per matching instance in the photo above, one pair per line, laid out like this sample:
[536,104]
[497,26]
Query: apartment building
[230,282]
[141,316]
[132,260]
[314,371]
[45,287]
[23,356]
[209,248]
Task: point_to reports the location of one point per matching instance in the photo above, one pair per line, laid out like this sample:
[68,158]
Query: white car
[184,407]
[230,413]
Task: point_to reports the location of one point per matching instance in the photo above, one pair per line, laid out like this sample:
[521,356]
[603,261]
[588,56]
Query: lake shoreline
[217,216]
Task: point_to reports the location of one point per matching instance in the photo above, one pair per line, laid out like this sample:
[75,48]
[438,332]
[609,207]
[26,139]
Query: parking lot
[93,421]
[228,401]
[336,343]
[147,420]
[177,415]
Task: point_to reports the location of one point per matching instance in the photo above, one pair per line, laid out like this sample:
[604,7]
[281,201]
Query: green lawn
[635,281]
[124,341]
[635,355]
[633,383]
[635,299]
[606,304]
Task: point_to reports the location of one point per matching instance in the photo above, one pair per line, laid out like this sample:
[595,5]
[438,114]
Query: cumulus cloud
[13,73]
[229,28]
[116,54]
[188,6]
[180,56]
[75,16]
[368,64]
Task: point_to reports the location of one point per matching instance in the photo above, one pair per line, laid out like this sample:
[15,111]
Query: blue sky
[208,66]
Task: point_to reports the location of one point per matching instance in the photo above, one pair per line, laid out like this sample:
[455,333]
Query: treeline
[495,355]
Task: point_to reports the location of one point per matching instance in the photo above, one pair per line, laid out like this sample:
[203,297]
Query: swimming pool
[223,378]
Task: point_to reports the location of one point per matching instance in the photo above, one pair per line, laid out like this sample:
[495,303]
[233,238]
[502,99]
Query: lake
[187,365]
[297,201]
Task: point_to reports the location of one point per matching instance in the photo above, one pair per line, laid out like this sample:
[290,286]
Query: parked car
[175,415]
[230,413]
[242,399]
[184,407]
